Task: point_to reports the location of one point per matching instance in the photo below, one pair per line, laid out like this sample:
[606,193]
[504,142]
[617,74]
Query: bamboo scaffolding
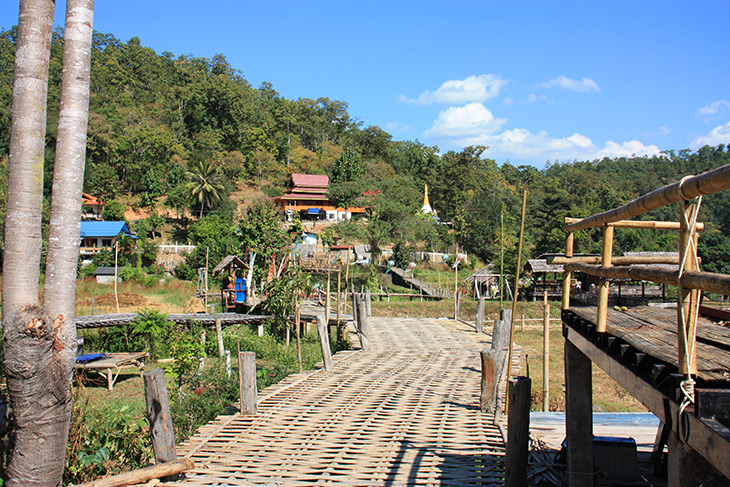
[687,188]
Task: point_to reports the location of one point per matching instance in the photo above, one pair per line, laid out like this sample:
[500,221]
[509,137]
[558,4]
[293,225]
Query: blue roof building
[96,235]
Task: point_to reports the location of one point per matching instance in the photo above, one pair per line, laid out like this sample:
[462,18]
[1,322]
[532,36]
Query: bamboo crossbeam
[687,188]
[656,225]
[706,281]
[622,260]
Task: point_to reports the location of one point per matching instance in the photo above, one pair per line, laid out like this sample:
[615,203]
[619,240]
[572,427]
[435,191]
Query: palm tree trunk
[39,365]
[25,162]
[68,177]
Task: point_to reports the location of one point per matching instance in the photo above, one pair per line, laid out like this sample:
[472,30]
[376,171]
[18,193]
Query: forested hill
[157,118]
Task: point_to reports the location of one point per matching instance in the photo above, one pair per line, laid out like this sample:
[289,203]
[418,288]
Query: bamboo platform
[653,331]
[404,413]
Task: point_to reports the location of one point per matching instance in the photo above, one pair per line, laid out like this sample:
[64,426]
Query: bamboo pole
[567,277]
[604,288]
[546,356]
[657,225]
[706,281]
[517,289]
[340,302]
[617,260]
[687,297]
[687,188]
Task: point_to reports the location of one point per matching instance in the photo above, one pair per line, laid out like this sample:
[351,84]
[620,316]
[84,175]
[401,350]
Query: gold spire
[426,205]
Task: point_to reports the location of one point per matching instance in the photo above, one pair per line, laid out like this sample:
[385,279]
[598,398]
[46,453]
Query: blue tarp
[313,211]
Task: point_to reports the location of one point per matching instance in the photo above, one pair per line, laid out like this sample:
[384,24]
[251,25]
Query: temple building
[308,197]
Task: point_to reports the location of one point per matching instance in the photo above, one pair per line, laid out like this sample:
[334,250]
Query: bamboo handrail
[656,225]
[622,260]
[687,188]
[706,281]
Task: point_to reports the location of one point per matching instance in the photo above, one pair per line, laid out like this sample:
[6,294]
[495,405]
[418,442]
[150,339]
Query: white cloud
[718,135]
[533,98]
[508,101]
[470,120]
[718,107]
[627,149]
[521,144]
[473,88]
[581,86]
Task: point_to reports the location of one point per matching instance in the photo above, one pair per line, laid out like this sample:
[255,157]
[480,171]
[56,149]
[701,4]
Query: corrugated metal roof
[103,229]
[541,265]
[311,180]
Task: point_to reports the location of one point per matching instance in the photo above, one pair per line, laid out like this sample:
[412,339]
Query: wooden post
[480,315]
[578,417]
[158,413]
[324,341]
[327,301]
[219,336]
[603,289]
[687,298]
[247,382]
[456,285]
[490,373]
[340,301]
[518,432]
[364,329]
[167,470]
[368,303]
[567,276]
[546,356]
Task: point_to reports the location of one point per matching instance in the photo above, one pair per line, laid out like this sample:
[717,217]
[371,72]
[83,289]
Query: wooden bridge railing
[688,192]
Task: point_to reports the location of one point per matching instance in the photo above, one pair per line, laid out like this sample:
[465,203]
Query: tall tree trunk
[39,350]
[59,294]
[21,259]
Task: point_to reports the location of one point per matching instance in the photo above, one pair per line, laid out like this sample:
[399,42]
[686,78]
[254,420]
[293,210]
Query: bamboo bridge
[405,412]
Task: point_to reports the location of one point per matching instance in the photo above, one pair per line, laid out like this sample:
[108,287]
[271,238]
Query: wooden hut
[485,283]
[233,290]
[545,277]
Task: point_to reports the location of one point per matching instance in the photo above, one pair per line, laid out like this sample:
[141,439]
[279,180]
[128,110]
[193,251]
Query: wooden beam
[699,435]
[144,474]
[687,188]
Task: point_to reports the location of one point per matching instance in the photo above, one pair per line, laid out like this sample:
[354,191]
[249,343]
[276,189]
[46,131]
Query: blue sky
[535,81]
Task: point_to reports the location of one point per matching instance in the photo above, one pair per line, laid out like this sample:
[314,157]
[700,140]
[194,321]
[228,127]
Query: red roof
[310,180]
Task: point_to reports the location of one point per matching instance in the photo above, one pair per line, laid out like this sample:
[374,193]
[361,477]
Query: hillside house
[308,197]
[97,235]
[91,207]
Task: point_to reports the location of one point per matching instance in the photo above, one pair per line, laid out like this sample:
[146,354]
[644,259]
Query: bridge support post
[490,373]
[578,416]
[362,319]
[518,432]
[158,413]
[687,468]
[480,315]
[247,382]
[324,341]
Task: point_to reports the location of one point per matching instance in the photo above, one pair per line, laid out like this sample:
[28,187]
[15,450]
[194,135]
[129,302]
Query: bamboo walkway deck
[404,413]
